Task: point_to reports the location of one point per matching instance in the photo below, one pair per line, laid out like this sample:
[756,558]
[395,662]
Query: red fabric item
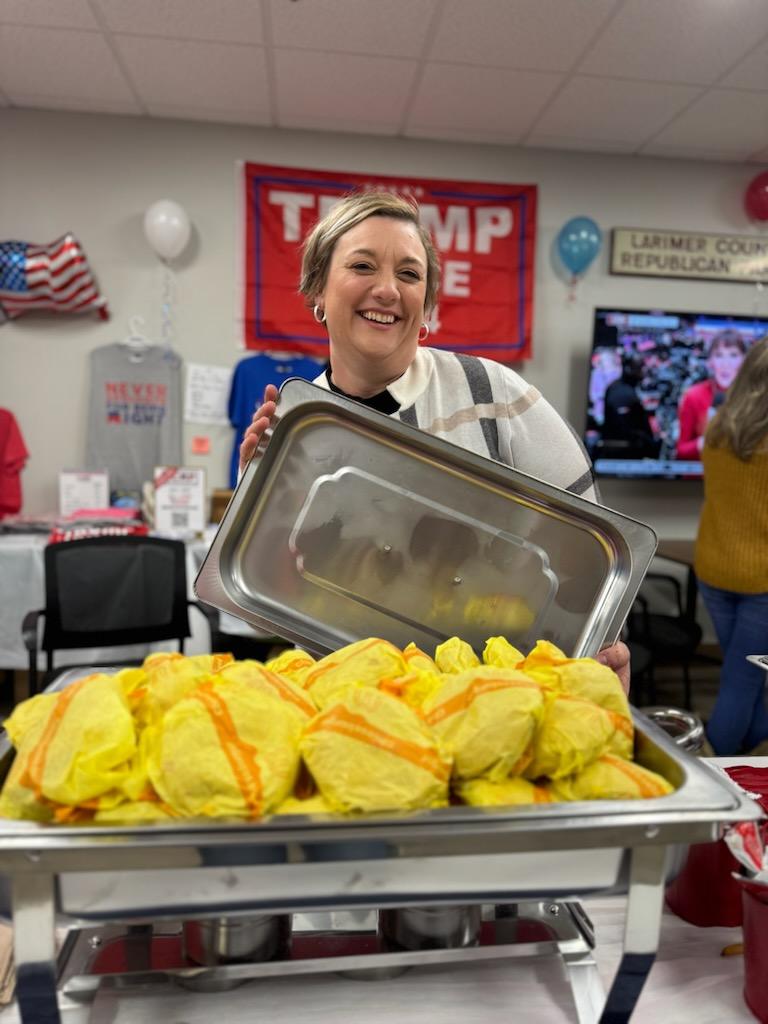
[753,780]
[60,535]
[13,457]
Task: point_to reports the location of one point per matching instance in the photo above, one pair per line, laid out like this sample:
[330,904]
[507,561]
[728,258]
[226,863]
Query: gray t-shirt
[134,422]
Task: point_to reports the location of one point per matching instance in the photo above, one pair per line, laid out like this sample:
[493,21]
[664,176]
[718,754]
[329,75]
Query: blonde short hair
[352,210]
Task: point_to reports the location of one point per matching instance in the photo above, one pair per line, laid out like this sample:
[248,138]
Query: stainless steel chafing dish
[352,525]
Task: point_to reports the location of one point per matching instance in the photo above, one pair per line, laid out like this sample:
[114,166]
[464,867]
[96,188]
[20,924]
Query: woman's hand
[616,657]
[262,420]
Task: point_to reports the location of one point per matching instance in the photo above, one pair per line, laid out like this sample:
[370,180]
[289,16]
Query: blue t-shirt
[251,376]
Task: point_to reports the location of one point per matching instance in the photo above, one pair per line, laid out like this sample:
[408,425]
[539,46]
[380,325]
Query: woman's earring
[318,314]
[424,332]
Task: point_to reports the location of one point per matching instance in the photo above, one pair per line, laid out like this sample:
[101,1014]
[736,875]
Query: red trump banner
[485,235]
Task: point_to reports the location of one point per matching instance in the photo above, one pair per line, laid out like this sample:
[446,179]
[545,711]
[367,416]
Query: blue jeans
[740,717]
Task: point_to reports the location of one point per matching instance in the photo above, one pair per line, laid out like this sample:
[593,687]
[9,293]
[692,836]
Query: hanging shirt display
[13,457]
[134,420]
[250,378]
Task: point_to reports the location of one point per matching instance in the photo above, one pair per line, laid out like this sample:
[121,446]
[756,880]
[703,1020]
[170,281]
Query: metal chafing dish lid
[351,524]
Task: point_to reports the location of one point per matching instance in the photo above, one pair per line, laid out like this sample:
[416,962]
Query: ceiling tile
[394,28]
[360,90]
[599,108]
[202,76]
[50,13]
[545,35]
[721,120]
[751,73]
[478,100]
[234,21]
[693,41]
[57,62]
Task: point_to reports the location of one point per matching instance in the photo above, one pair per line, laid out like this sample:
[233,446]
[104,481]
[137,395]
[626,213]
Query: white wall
[95,176]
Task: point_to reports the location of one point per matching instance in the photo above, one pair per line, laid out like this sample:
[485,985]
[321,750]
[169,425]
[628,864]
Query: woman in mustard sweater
[732,553]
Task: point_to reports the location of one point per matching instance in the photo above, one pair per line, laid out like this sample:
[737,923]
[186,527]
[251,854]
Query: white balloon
[167,228]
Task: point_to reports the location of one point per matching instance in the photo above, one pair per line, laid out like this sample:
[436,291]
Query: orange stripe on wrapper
[298,662]
[312,677]
[541,795]
[285,692]
[646,787]
[339,719]
[461,701]
[72,815]
[241,755]
[523,761]
[33,776]
[622,723]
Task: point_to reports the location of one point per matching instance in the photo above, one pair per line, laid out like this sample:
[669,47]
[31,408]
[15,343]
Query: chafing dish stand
[525,867]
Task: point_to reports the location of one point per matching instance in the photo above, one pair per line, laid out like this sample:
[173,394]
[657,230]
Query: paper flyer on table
[180,502]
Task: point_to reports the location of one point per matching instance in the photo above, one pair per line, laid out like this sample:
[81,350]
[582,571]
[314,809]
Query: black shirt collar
[382,402]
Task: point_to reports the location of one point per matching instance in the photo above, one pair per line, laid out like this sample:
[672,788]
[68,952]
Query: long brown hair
[741,423]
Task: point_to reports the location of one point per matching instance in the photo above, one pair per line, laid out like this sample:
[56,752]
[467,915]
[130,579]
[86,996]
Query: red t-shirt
[13,456]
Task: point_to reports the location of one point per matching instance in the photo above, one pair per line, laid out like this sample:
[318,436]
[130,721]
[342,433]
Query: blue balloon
[578,243]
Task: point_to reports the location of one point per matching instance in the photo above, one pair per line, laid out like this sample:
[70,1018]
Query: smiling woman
[370,273]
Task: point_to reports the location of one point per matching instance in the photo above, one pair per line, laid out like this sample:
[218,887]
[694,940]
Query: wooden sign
[647,252]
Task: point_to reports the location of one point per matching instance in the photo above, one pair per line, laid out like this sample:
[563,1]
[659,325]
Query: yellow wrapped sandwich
[455,655]
[418,661]
[73,746]
[253,673]
[503,793]
[293,663]
[588,679]
[612,778]
[371,752]
[543,662]
[227,750]
[363,663]
[500,653]
[316,804]
[169,678]
[572,734]
[485,717]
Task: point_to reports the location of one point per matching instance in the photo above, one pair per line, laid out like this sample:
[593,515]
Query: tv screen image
[655,381]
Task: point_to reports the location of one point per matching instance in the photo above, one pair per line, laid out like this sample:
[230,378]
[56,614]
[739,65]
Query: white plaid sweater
[489,409]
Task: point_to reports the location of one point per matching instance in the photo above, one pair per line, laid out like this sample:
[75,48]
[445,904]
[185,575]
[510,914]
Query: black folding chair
[110,592]
[669,638]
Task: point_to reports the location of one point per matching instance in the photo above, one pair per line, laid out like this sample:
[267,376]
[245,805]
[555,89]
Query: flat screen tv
[655,381]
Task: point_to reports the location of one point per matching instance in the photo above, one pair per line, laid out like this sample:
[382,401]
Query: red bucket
[755,925]
[705,893]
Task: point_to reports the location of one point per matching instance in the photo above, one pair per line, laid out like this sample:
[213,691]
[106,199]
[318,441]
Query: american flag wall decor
[54,277]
